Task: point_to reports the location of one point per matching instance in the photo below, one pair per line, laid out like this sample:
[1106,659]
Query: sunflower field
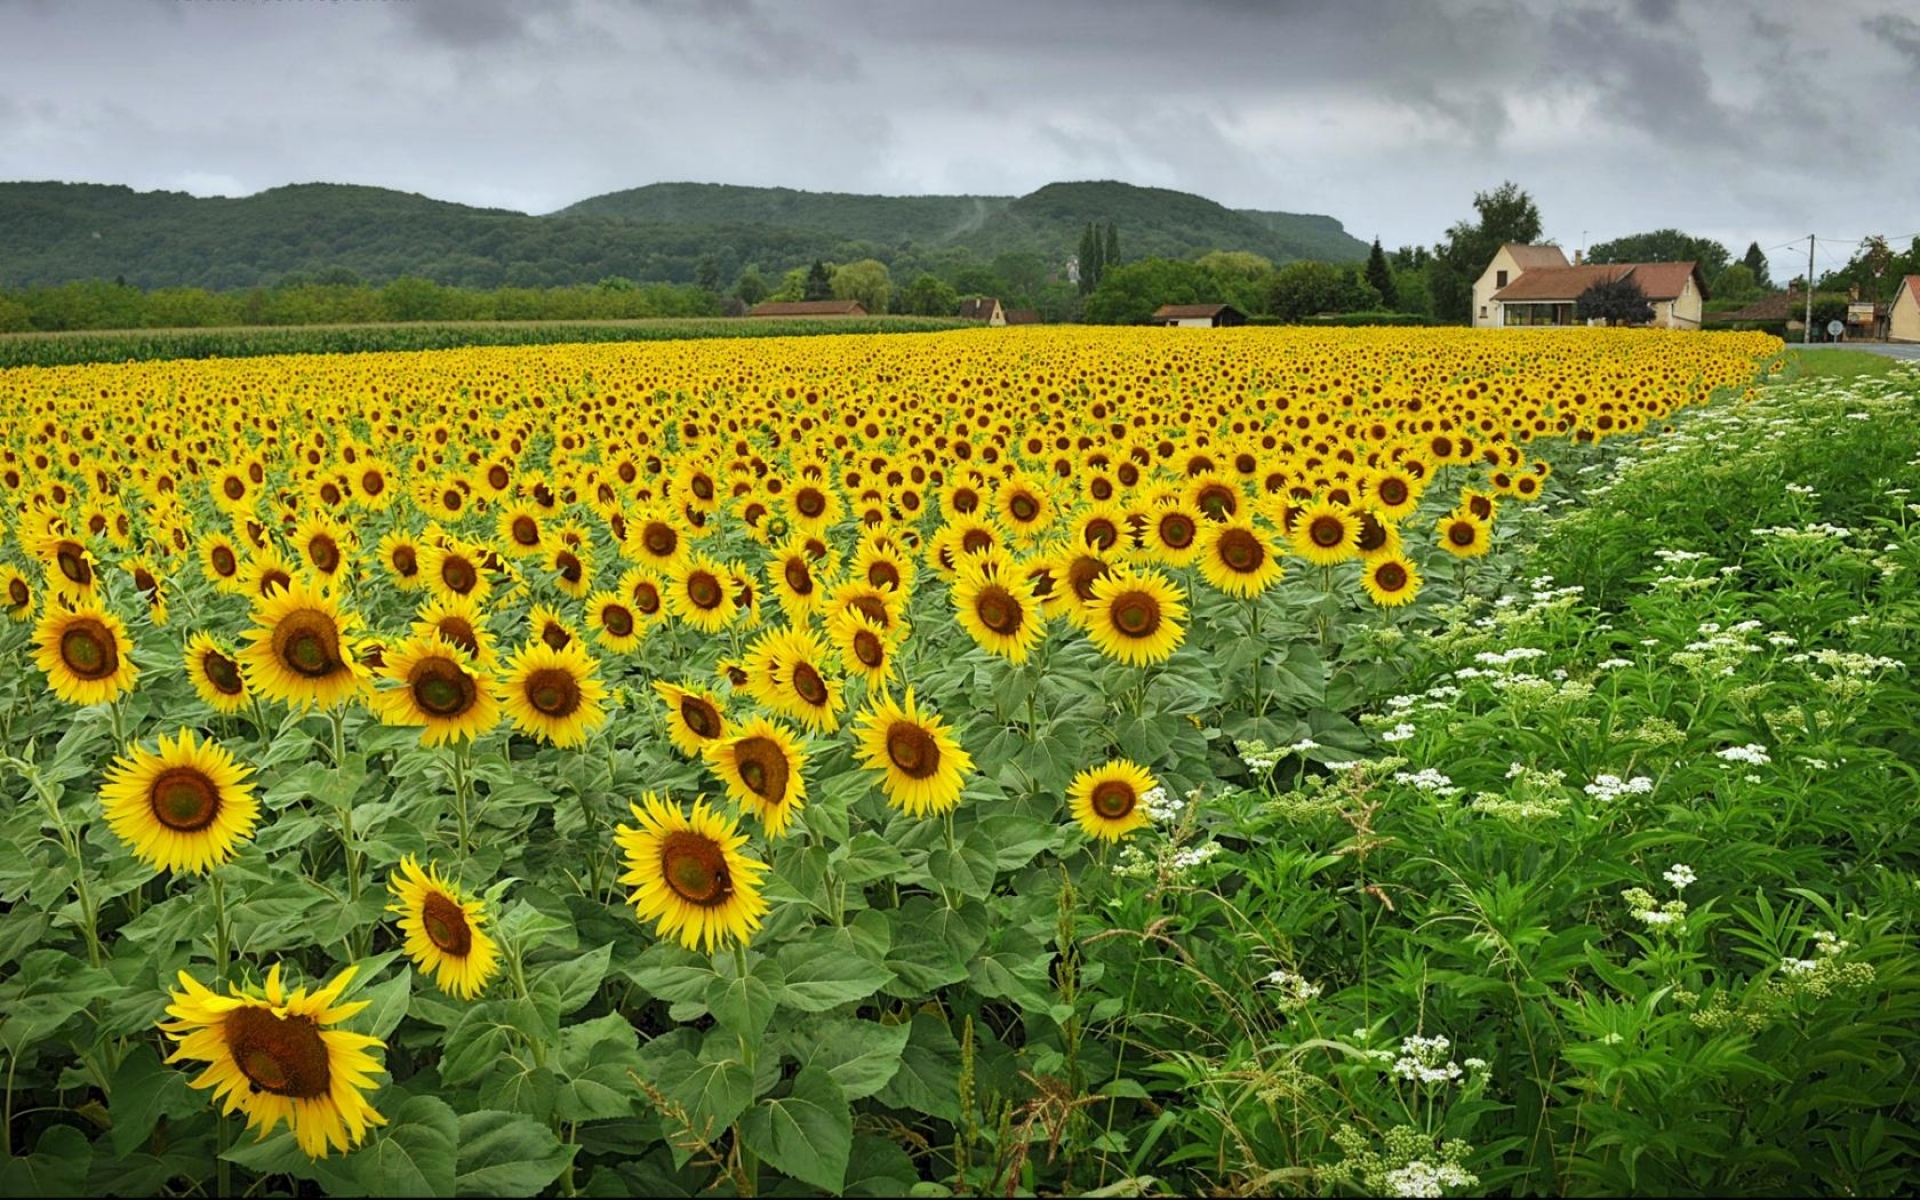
[1037,761]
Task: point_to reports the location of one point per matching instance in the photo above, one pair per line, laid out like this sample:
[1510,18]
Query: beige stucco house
[1903,318]
[1546,292]
[1512,261]
[983,308]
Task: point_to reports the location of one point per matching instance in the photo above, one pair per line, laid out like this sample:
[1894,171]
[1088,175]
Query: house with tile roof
[1903,315]
[983,308]
[809,308]
[1198,316]
[1547,292]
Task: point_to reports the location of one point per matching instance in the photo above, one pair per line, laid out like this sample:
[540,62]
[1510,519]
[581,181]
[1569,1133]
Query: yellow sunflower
[272,1056]
[998,609]
[69,566]
[299,652]
[760,764]
[16,593]
[442,928]
[1390,580]
[439,688]
[455,569]
[1135,616]
[614,623]
[1236,558]
[220,561]
[1463,535]
[866,650]
[550,627]
[1108,800]
[215,674]
[185,808]
[688,875]
[553,694]
[400,553]
[694,717]
[787,672]
[85,654]
[1326,533]
[459,620]
[697,593]
[923,767]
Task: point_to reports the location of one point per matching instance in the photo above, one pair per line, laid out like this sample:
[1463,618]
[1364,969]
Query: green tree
[706,274]
[1023,273]
[1664,245]
[14,317]
[867,281]
[930,296]
[1380,276]
[1507,214]
[751,288]
[819,282]
[1736,286]
[1128,295]
[1757,263]
[793,286]
[1089,260]
[1617,302]
[1304,288]
[410,298]
[1110,248]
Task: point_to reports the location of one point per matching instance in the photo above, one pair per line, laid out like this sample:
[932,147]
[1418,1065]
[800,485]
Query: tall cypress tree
[1110,250]
[1757,263]
[1090,254]
[1380,275]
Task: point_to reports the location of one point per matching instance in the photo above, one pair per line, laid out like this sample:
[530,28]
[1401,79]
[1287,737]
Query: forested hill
[51,233]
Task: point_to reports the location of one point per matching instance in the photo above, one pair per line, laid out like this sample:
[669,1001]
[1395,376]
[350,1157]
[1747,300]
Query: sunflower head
[1136,616]
[299,651]
[923,768]
[214,671]
[760,764]
[443,930]
[689,876]
[694,717]
[1109,801]
[553,694]
[439,688]
[85,653]
[185,808]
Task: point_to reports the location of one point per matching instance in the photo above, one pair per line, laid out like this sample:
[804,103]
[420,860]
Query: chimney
[1576,258]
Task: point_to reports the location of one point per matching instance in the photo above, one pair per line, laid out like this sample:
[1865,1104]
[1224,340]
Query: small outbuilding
[1022,316]
[1903,315]
[809,308]
[983,308]
[1198,316]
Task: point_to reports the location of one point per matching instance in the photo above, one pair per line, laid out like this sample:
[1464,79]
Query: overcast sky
[1733,120]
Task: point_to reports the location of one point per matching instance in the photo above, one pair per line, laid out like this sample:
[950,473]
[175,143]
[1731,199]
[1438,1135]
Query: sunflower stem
[222,930]
[1259,655]
[119,718]
[338,718]
[463,793]
[749,1161]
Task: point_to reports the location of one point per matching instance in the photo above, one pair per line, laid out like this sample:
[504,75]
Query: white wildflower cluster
[1506,658]
[1535,795]
[1188,857]
[1292,992]
[1801,489]
[1651,912]
[1612,664]
[1168,864]
[1825,973]
[1409,1165]
[1428,780]
[1259,757]
[1676,557]
[1847,662]
[1425,1060]
[1752,754]
[1679,875]
[1813,534]
[1399,733]
[1611,787]
[1160,806]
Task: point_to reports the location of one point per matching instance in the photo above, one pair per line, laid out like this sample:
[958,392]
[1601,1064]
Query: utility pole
[1806,334]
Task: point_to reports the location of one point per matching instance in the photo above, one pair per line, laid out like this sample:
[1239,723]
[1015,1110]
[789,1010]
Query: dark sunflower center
[498,478]
[869,649]
[1463,533]
[617,619]
[224,563]
[1177,530]
[569,565]
[700,717]
[705,590]
[441,688]
[144,581]
[810,502]
[1481,507]
[1081,574]
[999,610]
[1373,534]
[1113,799]
[373,483]
[975,540]
[459,574]
[273,579]
[73,563]
[912,750]
[965,500]
[799,578]
[184,800]
[553,692]
[406,561]
[324,553]
[694,867]
[1327,532]
[1023,507]
[1218,501]
[452,499]
[19,595]
[555,635]
[233,487]
[874,609]
[883,574]
[526,531]
[307,643]
[88,649]
[446,925]
[702,487]
[1390,577]
[460,632]
[1392,492]
[809,686]
[659,538]
[1101,533]
[763,768]
[646,597]
[282,1055]
[1242,552]
[222,672]
[1136,614]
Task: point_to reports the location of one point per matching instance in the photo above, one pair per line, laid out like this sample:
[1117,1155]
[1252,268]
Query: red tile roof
[1180,312]
[809,308]
[1660,281]
[1528,258]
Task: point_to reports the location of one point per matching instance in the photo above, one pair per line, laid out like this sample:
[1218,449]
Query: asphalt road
[1910,351]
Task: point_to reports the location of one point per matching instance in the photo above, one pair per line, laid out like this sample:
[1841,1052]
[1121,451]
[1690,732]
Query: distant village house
[1903,316]
[809,308]
[983,308]
[1536,285]
[1198,316]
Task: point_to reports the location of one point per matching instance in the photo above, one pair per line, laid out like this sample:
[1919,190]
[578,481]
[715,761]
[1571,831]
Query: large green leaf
[415,1154]
[58,1165]
[144,1090]
[822,977]
[712,1092]
[807,1134]
[744,1003]
[929,1077]
[507,1154]
[577,979]
[862,1056]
